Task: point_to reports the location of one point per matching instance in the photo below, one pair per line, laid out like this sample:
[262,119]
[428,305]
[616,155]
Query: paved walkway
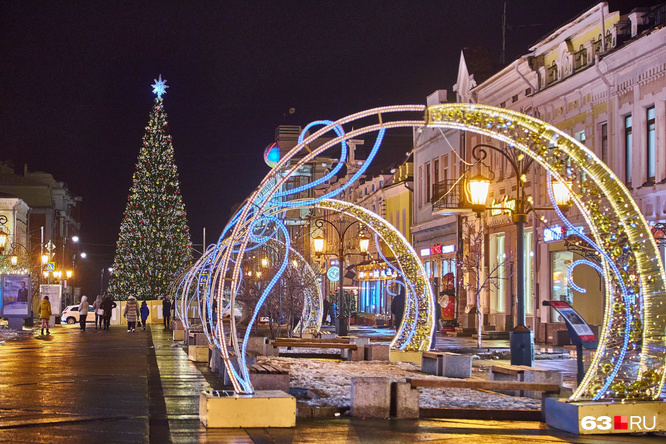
[118,387]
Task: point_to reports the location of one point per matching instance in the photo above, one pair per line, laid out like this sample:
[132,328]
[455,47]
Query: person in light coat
[99,311]
[83,312]
[45,314]
[131,313]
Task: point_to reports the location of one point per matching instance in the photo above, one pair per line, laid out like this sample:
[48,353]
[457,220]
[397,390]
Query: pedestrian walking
[107,305]
[327,308]
[99,312]
[45,314]
[131,313]
[166,313]
[144,314]
[83,312]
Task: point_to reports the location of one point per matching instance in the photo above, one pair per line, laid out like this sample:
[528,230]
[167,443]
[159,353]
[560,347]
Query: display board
[16,297]
[54,292]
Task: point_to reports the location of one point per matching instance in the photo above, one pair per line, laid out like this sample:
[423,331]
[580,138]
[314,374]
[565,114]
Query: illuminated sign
[448,249]
[556,233]
[436,249]
[333,274]
[425,252]
[503,206]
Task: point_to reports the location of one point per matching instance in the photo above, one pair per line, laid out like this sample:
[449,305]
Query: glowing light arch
[630,359]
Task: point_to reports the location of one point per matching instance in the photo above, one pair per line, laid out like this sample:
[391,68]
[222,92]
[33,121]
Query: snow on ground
[330,382]
[13,335]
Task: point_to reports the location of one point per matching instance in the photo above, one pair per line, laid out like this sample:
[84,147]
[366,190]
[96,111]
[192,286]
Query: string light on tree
[154,243]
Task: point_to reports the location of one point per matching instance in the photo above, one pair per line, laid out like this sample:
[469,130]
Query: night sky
[76,77]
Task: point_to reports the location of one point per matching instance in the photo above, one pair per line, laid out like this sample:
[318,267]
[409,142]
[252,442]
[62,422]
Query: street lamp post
[341,328]
[521,338]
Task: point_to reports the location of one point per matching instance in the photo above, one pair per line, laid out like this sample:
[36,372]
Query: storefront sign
[556,233]
[425,252]
[503,206]
[333,274]
[436,249]
[448,249]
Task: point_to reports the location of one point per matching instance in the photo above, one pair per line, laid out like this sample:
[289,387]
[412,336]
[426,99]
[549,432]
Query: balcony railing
[447,194]
[551,75]
[580,59]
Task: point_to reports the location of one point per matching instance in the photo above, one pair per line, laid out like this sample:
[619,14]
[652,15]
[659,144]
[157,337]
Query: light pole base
[341,327]
[522,346]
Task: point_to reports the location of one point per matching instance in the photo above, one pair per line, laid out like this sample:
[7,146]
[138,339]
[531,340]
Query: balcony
[448,197]
[551,75]
[580,59]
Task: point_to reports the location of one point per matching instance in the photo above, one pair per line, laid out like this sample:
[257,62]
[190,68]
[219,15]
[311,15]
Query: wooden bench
[524,373]
[269,377]
[314,344]
[477,384]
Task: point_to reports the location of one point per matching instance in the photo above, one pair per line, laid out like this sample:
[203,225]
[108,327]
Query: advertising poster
[54,292]
[572,318]
[15,295]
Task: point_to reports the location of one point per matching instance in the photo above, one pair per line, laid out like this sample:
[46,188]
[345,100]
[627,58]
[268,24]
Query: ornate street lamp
[319,243]
[264,262]
[341,327]
[477,192]
[363,244]
[521,338]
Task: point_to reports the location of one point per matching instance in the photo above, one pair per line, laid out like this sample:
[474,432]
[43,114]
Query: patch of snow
[331,381]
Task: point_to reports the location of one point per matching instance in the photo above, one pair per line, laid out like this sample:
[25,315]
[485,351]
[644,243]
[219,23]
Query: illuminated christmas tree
[154,243]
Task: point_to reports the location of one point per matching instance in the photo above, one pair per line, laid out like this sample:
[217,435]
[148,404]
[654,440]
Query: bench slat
[481,384]
[315,345]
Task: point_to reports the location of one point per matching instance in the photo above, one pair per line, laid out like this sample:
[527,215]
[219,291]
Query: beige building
[601,78]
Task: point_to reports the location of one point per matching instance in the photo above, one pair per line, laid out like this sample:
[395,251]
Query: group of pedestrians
[102,308]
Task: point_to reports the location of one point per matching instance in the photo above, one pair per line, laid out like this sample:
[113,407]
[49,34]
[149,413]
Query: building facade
[600,78]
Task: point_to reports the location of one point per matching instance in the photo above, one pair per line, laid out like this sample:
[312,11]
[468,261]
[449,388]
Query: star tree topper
[159,87]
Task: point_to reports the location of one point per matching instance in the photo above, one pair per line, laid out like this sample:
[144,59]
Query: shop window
[528,261]
[497,263]
[426,265]
[560,261]
[434,270]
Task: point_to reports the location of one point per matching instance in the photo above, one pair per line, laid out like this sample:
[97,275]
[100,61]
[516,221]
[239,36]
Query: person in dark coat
[398,307]
[145,311]
[327,308]
[166,313]
[107,305]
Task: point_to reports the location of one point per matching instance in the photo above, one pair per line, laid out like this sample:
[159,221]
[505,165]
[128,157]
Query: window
[497,258]
[434,269]
[528,91]
[420,190]
[435,171]
[404,221]
[426,265]
[503,105]
[514,99]
[428,184]
[604,143]
[561,290]
[651,144]
[445,161]
[627,149]
[580,136]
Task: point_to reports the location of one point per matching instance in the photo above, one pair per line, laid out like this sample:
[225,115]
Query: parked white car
[71,315]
